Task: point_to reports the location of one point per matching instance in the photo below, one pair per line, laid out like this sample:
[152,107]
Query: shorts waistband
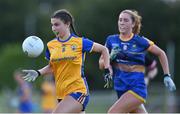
[129,68]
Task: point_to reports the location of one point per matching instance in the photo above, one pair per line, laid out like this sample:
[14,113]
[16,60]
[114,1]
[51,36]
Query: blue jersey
[132,52]
[128,66]
[25,106]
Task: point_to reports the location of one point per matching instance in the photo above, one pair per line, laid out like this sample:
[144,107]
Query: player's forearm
[101,63]
[106,58]
[162,58]
[164,62]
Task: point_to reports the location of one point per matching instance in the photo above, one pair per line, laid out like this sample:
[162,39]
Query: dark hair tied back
[66,17]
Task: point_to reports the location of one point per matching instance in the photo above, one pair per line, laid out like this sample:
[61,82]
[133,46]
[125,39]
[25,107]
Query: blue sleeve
[108,43]
[47,54]
[87,45]
[146,42]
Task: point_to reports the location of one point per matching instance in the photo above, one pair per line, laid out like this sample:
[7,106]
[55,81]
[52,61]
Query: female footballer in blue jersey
[66,55]
[24,93]
[127,54]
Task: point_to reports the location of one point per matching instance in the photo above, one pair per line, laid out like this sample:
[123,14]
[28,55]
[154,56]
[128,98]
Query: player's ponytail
[136,18]
[73,28]
[66,17]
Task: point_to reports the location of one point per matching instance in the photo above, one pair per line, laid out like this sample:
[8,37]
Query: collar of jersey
[127,39]
[66,39]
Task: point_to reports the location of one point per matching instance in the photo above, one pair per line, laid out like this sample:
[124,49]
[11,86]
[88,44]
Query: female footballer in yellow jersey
[66,55]
[48,97]
[127,53]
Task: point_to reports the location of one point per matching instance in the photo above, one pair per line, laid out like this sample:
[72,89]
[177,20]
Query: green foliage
[13,16]
[12,58]
[95,19]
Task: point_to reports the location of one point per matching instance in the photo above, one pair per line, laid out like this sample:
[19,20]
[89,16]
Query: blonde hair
[136,18]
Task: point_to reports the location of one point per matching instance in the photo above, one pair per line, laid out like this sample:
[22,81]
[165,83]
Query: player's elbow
[105,50]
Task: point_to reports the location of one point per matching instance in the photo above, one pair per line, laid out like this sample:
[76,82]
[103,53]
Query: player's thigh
[68,105]
[126,103]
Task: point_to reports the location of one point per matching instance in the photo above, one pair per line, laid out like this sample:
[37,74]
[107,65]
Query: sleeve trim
[92,48]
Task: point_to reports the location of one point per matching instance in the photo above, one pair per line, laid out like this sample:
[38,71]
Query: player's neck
[65,37]
[126,37]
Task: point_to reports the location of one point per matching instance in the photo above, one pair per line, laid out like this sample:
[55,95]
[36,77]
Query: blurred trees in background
[95,19]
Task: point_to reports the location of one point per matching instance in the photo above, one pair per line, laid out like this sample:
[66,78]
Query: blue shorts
[132,82]
[81,98]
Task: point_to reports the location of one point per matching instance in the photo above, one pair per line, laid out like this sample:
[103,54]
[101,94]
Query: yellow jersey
[49,101]
[66,59]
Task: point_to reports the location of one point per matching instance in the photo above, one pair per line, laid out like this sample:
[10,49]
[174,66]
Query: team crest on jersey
[73,47]
[124,47]
[63,47]
[134,46]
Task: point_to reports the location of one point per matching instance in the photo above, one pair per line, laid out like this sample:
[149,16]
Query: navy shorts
[132,82]
[81,98]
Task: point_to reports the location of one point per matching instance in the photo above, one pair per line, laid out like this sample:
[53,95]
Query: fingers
[106,85]
[169,84]
[172,89]
[110,76]
[33,79]
[172,86]
[27,78]
[29,75]
[25,71]
[24,77]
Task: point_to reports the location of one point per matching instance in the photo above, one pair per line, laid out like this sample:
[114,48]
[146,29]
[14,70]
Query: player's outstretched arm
[31,75]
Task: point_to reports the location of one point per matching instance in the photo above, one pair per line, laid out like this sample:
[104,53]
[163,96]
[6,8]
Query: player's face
[59,27]
[125,23]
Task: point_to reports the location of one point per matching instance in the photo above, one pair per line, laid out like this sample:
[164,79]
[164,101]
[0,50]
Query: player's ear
[68,24]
